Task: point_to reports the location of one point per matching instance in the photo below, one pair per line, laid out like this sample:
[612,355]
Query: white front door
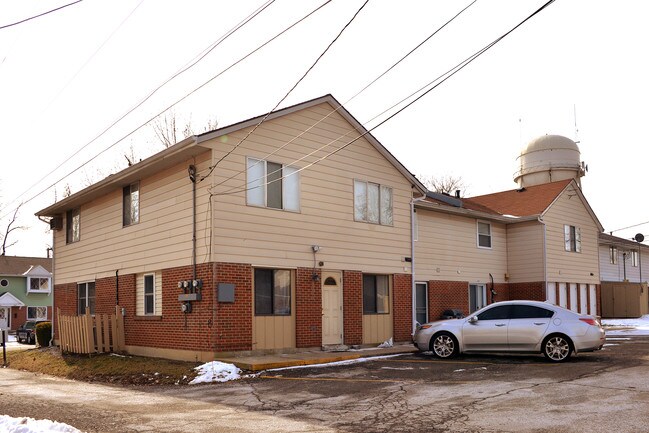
[4,318]
[332,308]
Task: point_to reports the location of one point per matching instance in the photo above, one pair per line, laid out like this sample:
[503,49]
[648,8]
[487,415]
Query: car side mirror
[473,319]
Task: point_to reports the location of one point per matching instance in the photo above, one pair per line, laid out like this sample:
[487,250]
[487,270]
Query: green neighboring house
[25,290]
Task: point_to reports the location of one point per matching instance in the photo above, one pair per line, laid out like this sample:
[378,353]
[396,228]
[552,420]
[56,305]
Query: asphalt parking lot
[606,391]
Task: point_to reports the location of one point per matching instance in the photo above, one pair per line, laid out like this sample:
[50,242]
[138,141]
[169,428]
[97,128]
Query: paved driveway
[606,391]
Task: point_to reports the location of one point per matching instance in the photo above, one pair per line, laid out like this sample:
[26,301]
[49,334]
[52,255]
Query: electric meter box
[226,292]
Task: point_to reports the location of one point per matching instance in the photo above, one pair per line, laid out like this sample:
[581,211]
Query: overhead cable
[39,15]
[355,95]
[287,93]
[186,67]
[439,81]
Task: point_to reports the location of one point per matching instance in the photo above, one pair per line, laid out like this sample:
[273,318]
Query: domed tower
[548,159]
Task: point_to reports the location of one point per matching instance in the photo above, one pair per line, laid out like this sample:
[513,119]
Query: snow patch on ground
[30,425]
[639,326]
[216,371]
[332,364]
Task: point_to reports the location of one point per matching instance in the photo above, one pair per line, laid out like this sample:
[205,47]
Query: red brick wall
[308,308]
[353,307]
[19,316]
[532,291]
[402,312]
[65,300]
[233,320]
[443,295]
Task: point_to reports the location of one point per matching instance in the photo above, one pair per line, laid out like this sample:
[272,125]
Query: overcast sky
[65,77]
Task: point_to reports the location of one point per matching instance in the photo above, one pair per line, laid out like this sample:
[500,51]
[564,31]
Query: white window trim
[612,255]
[380,187]
[77,293]
[144,295]
[477,235]
[36,318]
[264,184]
[567,237]
[49,285]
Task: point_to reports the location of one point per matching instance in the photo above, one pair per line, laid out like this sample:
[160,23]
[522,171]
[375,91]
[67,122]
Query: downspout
[545,255]
[412,261]
[117,287]
[192,178]
[51,342]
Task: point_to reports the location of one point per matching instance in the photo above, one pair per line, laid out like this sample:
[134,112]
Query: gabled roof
[193,146]
[9,300]
[529,201]
[13,266]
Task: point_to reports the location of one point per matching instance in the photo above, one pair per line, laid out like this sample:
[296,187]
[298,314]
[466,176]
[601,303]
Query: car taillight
[591,322]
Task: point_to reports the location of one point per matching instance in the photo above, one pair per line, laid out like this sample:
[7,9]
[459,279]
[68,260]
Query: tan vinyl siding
[448,250]
[525,252]
[139,293]
[161,239]
[564,265]
[272,237]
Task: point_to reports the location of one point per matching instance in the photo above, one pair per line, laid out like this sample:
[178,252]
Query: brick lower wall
[353,307]
[234,320]
[533,291]
[308,308]
[443,295]
[402,311]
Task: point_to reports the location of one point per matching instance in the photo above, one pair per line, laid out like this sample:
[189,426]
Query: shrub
[43,333]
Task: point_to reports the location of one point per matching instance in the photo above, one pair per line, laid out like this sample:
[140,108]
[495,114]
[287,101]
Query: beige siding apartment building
[296,231]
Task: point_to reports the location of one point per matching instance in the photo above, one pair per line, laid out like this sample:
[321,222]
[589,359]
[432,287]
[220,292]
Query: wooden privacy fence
[91,334]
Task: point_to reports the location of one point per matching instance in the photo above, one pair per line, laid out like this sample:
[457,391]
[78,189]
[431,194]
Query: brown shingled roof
[529,201]
[15,266]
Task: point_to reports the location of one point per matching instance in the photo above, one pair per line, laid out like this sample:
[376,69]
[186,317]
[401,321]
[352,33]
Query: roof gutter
[475,214]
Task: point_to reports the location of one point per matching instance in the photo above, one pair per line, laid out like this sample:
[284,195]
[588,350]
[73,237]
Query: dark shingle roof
[15,266]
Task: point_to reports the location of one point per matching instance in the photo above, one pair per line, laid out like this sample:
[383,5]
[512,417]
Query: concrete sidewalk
[279,360]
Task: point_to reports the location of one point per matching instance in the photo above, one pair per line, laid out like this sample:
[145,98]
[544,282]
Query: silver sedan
[513,326]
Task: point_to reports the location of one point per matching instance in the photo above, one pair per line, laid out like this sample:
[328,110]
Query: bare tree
[11,227]
[445,184]
[166,128]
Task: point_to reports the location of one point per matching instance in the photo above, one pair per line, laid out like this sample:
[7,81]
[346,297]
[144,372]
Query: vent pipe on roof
[457,193]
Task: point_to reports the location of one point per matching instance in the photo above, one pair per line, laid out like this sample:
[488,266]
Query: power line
[39,15]
[630,227]
[186,67]
[181,99]
[287,93]
[451,72]
[353,97]
[92,56]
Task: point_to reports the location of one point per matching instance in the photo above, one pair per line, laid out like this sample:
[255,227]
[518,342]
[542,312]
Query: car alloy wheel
[557,348]
[444,345]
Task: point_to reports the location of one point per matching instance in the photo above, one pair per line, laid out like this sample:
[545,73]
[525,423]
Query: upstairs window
[484,235]
[272,185]
[612,255]
[38,285]
[372,203]
[572,238]
[634,259]
[131,204]
[72,226]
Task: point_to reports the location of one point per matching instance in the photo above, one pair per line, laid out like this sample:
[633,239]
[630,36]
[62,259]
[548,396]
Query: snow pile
[31,425]
[336,363]
[639,326]
[387,343]
[216,371]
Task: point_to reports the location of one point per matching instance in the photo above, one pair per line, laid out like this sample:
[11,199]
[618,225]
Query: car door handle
[500,324]
[540,323]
